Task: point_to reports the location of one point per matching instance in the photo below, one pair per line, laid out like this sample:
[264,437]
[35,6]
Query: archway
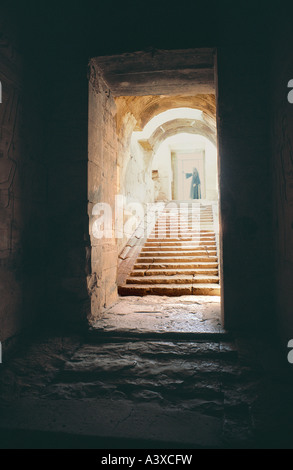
[131,180]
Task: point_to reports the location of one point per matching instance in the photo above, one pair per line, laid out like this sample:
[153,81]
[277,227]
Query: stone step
[192,230]
[187,212]
[172,272]
[172,265]
[181,239]
[176,233]
[156,350]
[179,248]
[172,238]
[179,256]
[175,279]
[196,226]
[178,223]
[180,252]
[178,228]
[187,209]
[186,216]
[181,221]
[176,259]
[172,290]
[182,228]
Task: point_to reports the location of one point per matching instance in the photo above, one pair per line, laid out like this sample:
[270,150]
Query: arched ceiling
[144,108]
[146,83]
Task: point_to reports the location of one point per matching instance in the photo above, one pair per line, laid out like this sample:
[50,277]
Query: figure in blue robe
[195,190]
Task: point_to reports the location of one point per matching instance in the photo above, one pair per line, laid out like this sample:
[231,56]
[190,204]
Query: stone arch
[145,108]
[178,126]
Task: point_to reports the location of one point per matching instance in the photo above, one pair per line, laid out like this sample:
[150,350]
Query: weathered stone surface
[146,71]
[161,314]
[144,392]
[110,377]
[142,424]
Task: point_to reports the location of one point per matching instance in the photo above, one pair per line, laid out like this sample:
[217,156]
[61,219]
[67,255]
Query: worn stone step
[197,228]
[178,236]
[190,241]
[187,210]
[179,248]
[185,215]
[181,233]
[169,289]
[184,206]
[171,265]
[194,223]
[183,223]
[175,233]
[177,229]
[182,216]
[180,255]
[166,245]
[117,368]
[203,230]
[180,252]
[154,349]
[171,272]
[182,239]
[176,278]
[176,259]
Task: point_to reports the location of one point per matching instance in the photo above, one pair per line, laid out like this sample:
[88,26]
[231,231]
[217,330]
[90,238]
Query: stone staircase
[180,255]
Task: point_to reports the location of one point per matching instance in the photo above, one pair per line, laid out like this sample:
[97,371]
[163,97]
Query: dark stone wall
[23,186]
[282,153]
[66,153]
[245,186]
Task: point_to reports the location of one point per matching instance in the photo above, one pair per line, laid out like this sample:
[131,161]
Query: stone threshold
[126,335]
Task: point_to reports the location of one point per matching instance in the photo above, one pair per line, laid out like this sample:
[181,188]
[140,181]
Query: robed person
[195,190]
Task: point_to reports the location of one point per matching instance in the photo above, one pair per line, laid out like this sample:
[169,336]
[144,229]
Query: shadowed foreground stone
[115,392]
[113,422]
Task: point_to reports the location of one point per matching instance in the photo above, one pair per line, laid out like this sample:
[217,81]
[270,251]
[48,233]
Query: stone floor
[145,377]
[163,314]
